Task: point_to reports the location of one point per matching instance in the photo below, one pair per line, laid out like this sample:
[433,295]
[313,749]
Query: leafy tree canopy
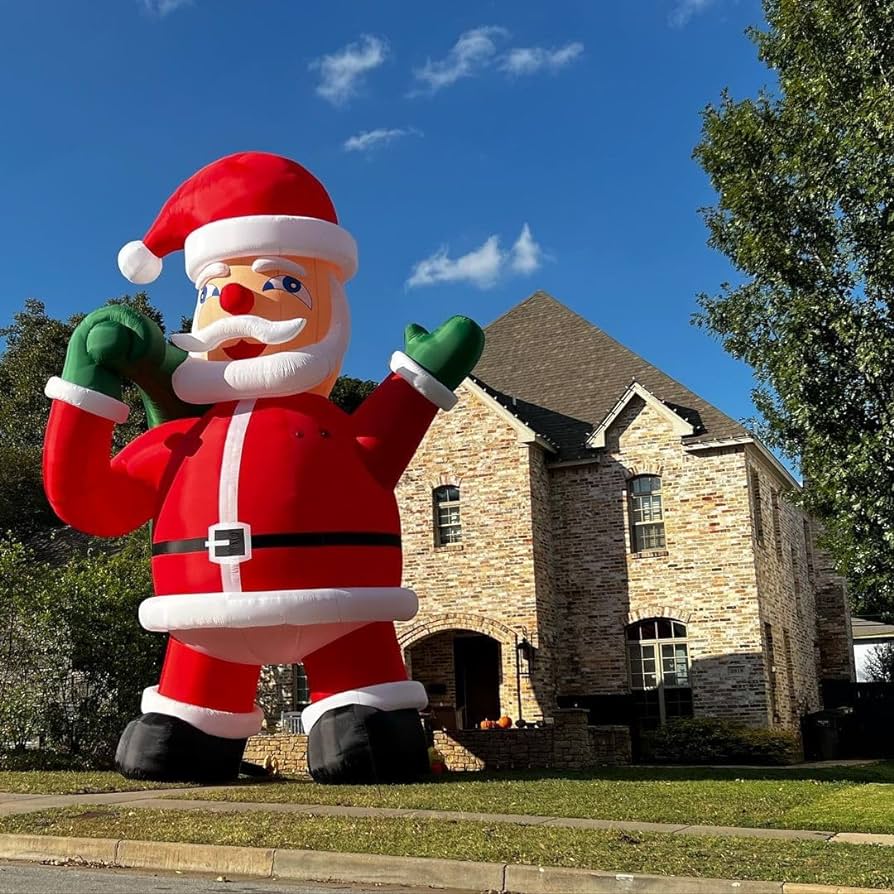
[804,175]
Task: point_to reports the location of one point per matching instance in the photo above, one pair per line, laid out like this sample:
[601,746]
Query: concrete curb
[330,866]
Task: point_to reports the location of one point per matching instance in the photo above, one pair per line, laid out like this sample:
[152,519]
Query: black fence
[858,720]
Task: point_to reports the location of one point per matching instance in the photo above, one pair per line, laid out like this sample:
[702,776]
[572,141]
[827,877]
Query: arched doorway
[462,674]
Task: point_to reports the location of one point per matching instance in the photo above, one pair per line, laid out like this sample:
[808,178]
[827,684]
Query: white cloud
[473,51]
[342,72]
[685,10]
[381,136]
[483,267]
[526,253]
[162,7]
[527,60]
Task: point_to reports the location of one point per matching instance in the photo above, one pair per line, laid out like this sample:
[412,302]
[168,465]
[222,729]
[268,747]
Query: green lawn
[846,799]
[743,858]
[69,782]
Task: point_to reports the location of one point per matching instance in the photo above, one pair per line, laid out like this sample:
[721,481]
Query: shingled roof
[562,376]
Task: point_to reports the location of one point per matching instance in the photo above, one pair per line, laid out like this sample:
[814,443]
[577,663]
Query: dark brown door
[477,661]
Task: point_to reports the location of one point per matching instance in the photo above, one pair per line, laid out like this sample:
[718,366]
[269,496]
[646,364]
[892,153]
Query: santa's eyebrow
[215,269]
[283,265]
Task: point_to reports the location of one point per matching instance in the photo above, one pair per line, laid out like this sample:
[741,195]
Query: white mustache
[268,332]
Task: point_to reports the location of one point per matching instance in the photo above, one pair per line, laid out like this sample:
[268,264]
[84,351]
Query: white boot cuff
[384,696]
[215,723]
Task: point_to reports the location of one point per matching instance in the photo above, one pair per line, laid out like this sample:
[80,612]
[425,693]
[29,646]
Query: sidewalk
[16,804]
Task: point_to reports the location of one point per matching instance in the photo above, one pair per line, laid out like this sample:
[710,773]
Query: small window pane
[665,630]
[679,630]
[633,632]
[647,630]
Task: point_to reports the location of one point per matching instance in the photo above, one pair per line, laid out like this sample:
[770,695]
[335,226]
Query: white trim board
[680,426]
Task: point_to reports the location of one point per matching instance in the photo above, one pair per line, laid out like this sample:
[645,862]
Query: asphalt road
[30,878]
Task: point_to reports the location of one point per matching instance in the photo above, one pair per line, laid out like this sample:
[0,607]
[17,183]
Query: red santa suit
[275,539]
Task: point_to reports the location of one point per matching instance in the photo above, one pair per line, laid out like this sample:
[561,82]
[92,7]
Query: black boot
[360,744]
[168,749]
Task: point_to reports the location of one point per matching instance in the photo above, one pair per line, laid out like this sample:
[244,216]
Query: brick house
[582,530]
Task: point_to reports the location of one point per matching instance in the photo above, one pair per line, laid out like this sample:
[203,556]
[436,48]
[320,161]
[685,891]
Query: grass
[743,858]
[70,782]
[852,799]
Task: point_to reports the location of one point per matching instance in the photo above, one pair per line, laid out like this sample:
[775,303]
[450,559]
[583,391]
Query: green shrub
[707,740]
[47,760]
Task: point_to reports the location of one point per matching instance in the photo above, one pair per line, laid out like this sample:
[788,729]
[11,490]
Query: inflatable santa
[275,530]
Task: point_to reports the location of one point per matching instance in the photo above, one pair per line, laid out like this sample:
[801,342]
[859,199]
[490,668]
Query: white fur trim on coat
[384,696]
[94,402]
[215,723]
[260,235]
[274,608]
[422,380]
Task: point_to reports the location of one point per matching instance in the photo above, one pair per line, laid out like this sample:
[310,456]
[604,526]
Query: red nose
[236,299]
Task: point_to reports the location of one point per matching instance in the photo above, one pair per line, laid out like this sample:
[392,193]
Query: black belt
[235,545]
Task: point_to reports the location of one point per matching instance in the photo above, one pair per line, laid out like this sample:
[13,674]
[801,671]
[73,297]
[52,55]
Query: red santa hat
[244,205]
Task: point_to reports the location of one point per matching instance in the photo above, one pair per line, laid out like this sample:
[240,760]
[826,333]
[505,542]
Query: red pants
[365,657]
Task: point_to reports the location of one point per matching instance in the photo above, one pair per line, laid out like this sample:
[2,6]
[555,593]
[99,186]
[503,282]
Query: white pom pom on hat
[138,264]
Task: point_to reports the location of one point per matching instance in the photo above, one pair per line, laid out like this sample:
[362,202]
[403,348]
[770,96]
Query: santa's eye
[208,291]
[284,284]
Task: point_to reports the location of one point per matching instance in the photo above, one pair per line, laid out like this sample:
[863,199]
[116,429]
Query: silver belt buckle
[229,543]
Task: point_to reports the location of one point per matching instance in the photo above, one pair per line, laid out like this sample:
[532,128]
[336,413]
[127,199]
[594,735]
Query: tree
[804,176]
[73,658]
[879,665]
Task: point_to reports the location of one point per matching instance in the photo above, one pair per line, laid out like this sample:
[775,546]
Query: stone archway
[469,665]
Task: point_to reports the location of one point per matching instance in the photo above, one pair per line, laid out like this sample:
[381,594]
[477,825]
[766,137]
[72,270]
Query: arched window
[646,513]
[658,660]
[447,524]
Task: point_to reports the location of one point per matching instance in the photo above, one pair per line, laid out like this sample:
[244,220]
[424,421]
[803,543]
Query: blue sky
[477,152]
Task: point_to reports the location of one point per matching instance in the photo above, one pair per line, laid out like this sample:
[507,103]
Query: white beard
[201,381]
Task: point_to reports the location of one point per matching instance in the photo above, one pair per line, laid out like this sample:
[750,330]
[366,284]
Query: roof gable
[680,426]
[567,374]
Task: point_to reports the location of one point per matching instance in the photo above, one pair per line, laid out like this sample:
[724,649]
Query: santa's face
[271,325]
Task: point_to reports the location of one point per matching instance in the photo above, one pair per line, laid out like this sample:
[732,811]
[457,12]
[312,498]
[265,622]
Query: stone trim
[657,611]
[458,621]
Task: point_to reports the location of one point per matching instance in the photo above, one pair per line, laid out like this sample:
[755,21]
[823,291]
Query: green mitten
[450,352]
[109,344]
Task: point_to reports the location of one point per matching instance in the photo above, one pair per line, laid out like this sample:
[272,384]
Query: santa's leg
[363,722]
[195,722]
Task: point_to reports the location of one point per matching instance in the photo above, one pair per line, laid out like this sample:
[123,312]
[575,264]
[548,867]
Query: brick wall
[567,744]
[486,583]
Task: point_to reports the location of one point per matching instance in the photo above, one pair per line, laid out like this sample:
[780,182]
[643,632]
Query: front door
[477,662]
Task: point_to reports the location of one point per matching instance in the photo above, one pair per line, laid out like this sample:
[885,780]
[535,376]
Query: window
[756,511]
[771,672]
[658,661]
[447,525]
[808,551]
[300,688]
[777,525]
[796,578]
[646,513]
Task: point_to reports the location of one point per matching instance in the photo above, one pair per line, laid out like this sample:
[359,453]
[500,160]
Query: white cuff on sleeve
[423,381]
[94,402]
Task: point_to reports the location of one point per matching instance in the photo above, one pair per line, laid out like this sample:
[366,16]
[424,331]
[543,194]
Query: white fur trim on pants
[384,696]
[215,723]
[422,380]
[87,399]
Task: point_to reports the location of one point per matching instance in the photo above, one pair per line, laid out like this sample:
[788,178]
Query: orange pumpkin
[485,724]
[504,722]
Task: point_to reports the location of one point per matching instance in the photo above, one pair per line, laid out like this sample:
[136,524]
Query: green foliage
[73,658]
[880,663]
[705,740]
[805,213]
[349,393]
